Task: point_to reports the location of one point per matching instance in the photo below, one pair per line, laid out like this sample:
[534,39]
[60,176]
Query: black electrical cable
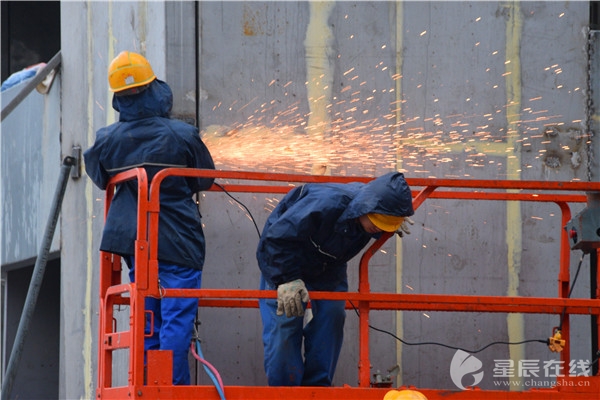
[545,341]
[241,204]
[562,316]
[589,368]
[576,275]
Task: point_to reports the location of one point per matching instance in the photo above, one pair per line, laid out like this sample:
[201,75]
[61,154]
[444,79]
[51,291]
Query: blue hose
[212,374]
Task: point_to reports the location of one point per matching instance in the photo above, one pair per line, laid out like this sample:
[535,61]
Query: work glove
[404,227]
[290,297]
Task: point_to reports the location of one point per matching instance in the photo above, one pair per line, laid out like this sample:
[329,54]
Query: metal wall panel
[494,91]
[486,90]
[30,168]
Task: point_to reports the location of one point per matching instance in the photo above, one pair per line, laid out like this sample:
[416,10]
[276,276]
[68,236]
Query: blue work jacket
[145,136]
[314,231]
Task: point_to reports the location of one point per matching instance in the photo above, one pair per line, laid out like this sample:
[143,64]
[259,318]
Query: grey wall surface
[438,89]
[483,83]
[30,167]
[484,90]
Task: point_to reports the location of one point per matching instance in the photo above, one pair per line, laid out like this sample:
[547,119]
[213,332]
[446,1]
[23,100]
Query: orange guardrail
[117,295]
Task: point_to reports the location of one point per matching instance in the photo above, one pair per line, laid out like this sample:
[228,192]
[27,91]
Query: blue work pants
[173,317]
[283,338]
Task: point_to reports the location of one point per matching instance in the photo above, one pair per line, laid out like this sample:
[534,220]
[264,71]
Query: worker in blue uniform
[305,246]
[145,136]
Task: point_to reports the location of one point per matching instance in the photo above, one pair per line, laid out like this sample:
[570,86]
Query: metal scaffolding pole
[36,278]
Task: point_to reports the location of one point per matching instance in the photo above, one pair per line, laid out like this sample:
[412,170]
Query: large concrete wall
[435,89]
[484,90]
[482,83]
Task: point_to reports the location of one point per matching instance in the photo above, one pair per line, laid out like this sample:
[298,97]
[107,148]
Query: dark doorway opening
[40,358]
[30,34]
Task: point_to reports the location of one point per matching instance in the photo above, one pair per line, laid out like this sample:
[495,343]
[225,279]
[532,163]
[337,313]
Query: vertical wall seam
[319,75]
[399,62]
[514,233]
[87,355]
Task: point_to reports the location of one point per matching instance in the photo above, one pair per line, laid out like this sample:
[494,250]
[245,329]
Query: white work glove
[290,297]
[404,228]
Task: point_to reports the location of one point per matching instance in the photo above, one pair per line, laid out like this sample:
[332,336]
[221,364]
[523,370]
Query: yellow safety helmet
[129,70]
[387,223]
[404,395]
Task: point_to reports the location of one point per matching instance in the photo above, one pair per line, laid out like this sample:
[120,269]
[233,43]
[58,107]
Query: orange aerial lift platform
[154,380]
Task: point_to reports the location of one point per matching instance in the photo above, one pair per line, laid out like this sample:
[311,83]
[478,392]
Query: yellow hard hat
[404,395]
[387,223]
[129,70]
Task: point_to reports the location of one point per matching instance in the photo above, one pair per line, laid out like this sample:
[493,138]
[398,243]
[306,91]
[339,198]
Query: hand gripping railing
[113,293]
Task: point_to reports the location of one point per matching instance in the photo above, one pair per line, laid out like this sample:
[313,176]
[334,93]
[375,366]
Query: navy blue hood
[389,194]
[155,101]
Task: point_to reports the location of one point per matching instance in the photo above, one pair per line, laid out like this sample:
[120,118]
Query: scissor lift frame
[114,294]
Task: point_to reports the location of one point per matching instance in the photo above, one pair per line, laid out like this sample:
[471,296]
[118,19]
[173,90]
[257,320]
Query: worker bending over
[305,245]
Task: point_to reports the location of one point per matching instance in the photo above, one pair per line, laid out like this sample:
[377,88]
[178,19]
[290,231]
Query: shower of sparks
[365,136]
[289,148]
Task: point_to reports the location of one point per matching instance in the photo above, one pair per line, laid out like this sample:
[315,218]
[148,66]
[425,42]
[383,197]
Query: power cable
[562,316]
[545,341]
[241,204]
